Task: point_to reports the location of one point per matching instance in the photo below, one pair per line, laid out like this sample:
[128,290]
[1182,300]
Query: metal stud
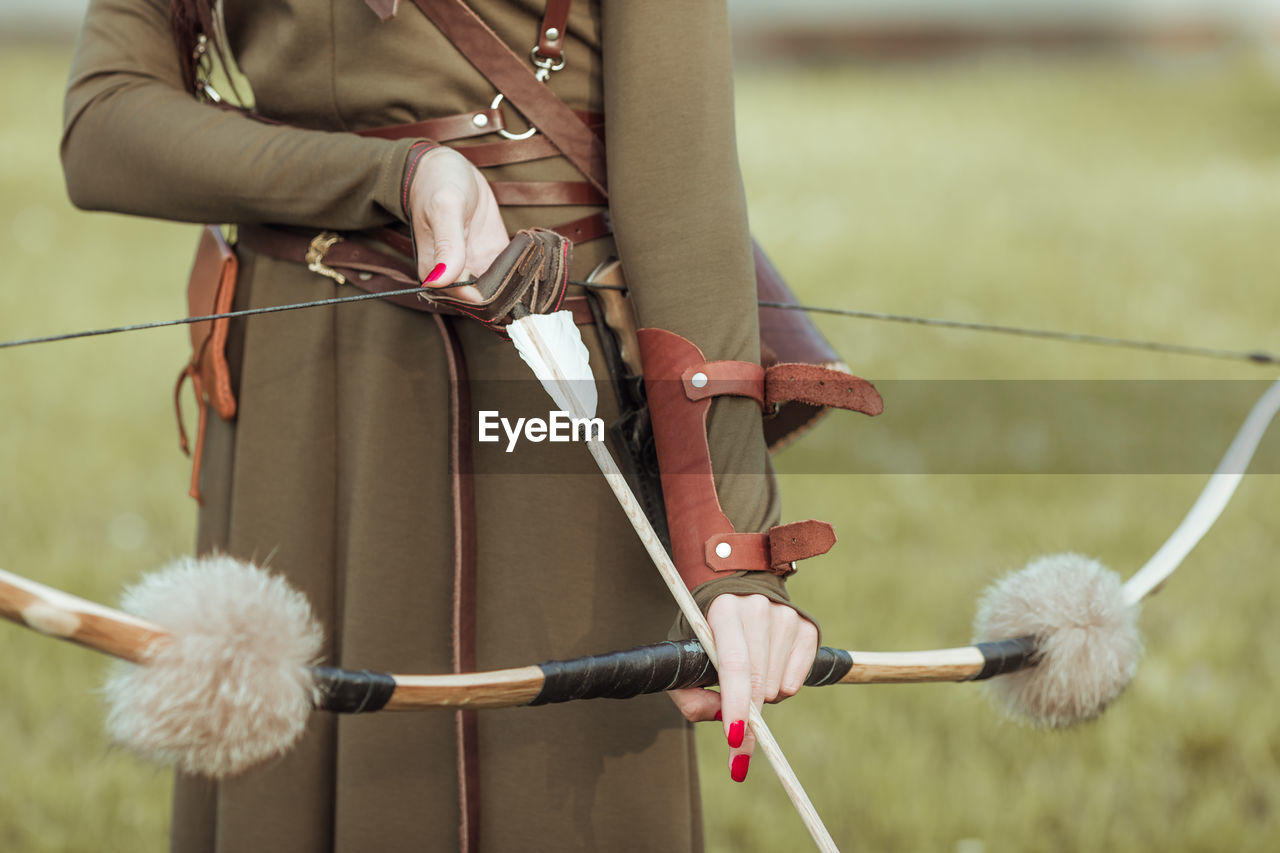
[480,120]
[552,34]
[698,380]
[723,550]
[364,276]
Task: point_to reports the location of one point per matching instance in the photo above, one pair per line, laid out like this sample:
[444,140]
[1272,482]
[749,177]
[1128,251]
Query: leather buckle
[320,244]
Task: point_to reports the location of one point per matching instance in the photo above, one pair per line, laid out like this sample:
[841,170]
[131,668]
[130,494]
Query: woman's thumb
[440,261]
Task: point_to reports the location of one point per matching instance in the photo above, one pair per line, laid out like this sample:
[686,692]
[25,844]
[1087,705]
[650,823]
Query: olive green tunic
[336,471]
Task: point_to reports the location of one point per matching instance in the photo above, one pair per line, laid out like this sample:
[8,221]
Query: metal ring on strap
[506,133]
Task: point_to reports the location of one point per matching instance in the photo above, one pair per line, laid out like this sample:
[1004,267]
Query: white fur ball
[1087,638]
[233,688]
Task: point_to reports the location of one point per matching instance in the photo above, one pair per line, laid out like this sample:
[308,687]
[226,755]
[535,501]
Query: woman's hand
[456,225]
[766,650]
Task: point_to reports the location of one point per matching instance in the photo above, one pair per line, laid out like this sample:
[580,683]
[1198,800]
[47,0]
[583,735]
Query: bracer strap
[806,383]
[704,543]
[775,551]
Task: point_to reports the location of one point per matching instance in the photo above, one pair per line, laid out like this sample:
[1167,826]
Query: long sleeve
[680,220]
[135,142]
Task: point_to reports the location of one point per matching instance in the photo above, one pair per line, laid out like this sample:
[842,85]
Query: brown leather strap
[202,425]
[202,429]
[799,540]
[780,383]
[445,128]
[587,228]
[818,386]
[776,551]
[737,552]
[347,257]
[593,120]
[581,230]
[464,583]
[514,77]
[555,23]
[506,151]
[545,193]
[432,128]
[187,373]
[720,378]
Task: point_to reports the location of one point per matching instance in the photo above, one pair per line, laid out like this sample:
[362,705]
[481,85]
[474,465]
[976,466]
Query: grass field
[1113,196]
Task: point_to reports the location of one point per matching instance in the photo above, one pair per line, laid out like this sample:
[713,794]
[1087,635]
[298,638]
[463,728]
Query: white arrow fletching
[553,347]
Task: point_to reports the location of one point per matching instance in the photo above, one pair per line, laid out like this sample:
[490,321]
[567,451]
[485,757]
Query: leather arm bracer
[679,384]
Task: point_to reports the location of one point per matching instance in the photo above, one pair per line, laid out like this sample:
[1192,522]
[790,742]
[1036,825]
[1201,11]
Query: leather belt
[348,261]
[545,193]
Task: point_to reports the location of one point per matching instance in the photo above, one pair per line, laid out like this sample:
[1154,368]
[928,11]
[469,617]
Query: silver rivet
[699,380]
[723,550]
[480,120]
[364,276]
[551,34]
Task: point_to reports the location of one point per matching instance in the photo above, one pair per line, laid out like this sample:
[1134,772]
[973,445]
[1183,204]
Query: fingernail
[435,273]
[738,769]
[737,730]
[719,717]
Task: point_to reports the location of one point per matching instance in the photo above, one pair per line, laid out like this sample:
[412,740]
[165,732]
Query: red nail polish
[738,769]
[719,716]
[737,730]
[435,273]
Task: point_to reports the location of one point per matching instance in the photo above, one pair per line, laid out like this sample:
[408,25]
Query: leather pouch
[210,290]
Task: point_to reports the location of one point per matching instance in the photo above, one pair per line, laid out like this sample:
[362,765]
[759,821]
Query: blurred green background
[1113,194]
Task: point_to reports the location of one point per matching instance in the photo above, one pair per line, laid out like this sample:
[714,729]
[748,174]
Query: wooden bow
[613,675]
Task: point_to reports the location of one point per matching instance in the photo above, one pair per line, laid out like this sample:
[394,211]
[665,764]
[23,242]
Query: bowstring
[1259,357]
[244,312]
[1255,356]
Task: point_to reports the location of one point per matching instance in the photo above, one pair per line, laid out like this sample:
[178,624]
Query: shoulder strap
[555,23]
[513,77]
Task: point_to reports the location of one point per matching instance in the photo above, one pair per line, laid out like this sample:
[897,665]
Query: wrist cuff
[416,152]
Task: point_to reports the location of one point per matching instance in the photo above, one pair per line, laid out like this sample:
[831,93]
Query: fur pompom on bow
[233,688]
[1087,644]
